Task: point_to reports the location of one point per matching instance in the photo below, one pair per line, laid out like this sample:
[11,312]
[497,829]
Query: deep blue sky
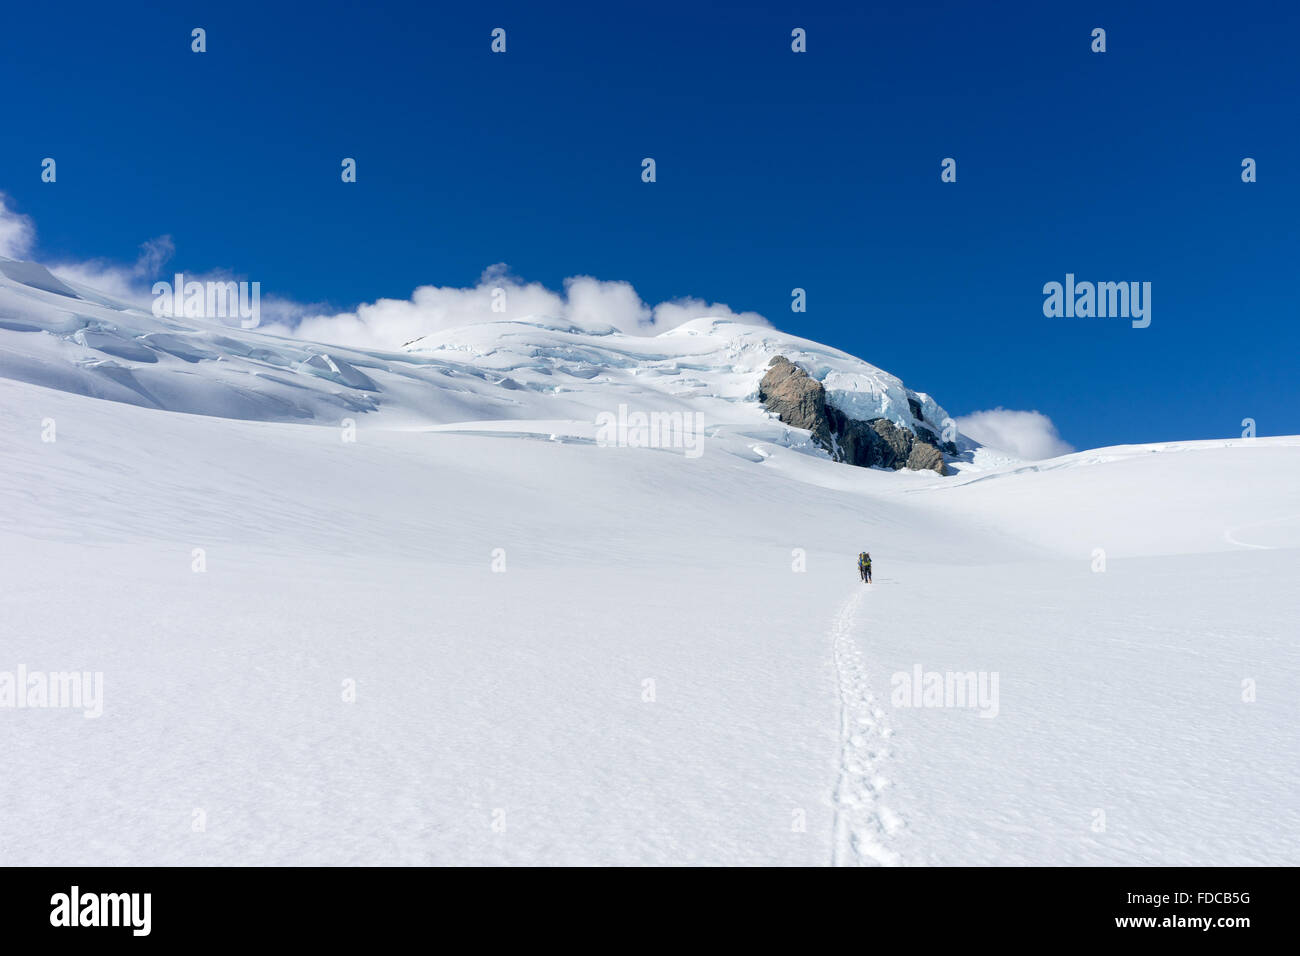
[775,170]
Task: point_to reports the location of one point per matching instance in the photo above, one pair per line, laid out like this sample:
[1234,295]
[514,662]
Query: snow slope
[672,661]
[72,338]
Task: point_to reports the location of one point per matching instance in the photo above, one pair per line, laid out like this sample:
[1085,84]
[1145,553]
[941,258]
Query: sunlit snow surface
[650,679]
[71,338]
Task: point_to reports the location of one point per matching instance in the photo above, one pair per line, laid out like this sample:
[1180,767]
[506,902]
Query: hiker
[864,567]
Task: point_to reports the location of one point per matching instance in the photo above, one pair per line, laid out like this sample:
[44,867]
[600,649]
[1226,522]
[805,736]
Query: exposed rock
[799,400]
[858,442]
[897,442]
[930,438]
[926,456]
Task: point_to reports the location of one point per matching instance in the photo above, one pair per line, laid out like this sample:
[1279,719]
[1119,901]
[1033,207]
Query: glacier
[66,336]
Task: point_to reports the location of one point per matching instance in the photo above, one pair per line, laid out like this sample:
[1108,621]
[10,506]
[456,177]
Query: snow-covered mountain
[461,630]
[66,336]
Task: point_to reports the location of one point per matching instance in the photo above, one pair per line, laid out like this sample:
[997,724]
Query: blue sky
[775,170]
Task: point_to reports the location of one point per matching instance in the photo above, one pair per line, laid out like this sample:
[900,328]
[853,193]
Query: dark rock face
[930,438]
[925,456]
[897,441]
[799,400]
[858,441]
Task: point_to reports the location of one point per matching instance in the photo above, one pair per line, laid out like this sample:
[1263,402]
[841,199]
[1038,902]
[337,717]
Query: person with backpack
[864,567]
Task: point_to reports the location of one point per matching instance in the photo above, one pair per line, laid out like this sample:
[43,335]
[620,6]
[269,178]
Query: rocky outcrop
[923,456]
[799,400]
[896,442]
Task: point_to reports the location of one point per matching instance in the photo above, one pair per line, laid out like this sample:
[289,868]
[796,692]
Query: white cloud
[116,281]
[17,232]
[1029,435]
[154,254]
[500,296]
[668,315]
[131,284]
[388,323]
[591,302]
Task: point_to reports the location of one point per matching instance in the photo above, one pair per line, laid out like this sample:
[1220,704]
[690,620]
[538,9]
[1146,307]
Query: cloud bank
[390,323]
[17,232]
[499,296]
[1029,435]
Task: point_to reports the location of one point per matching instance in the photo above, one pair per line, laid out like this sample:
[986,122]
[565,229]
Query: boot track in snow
[863,826]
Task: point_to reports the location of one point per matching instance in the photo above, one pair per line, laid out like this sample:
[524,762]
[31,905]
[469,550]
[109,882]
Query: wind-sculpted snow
[66,336]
